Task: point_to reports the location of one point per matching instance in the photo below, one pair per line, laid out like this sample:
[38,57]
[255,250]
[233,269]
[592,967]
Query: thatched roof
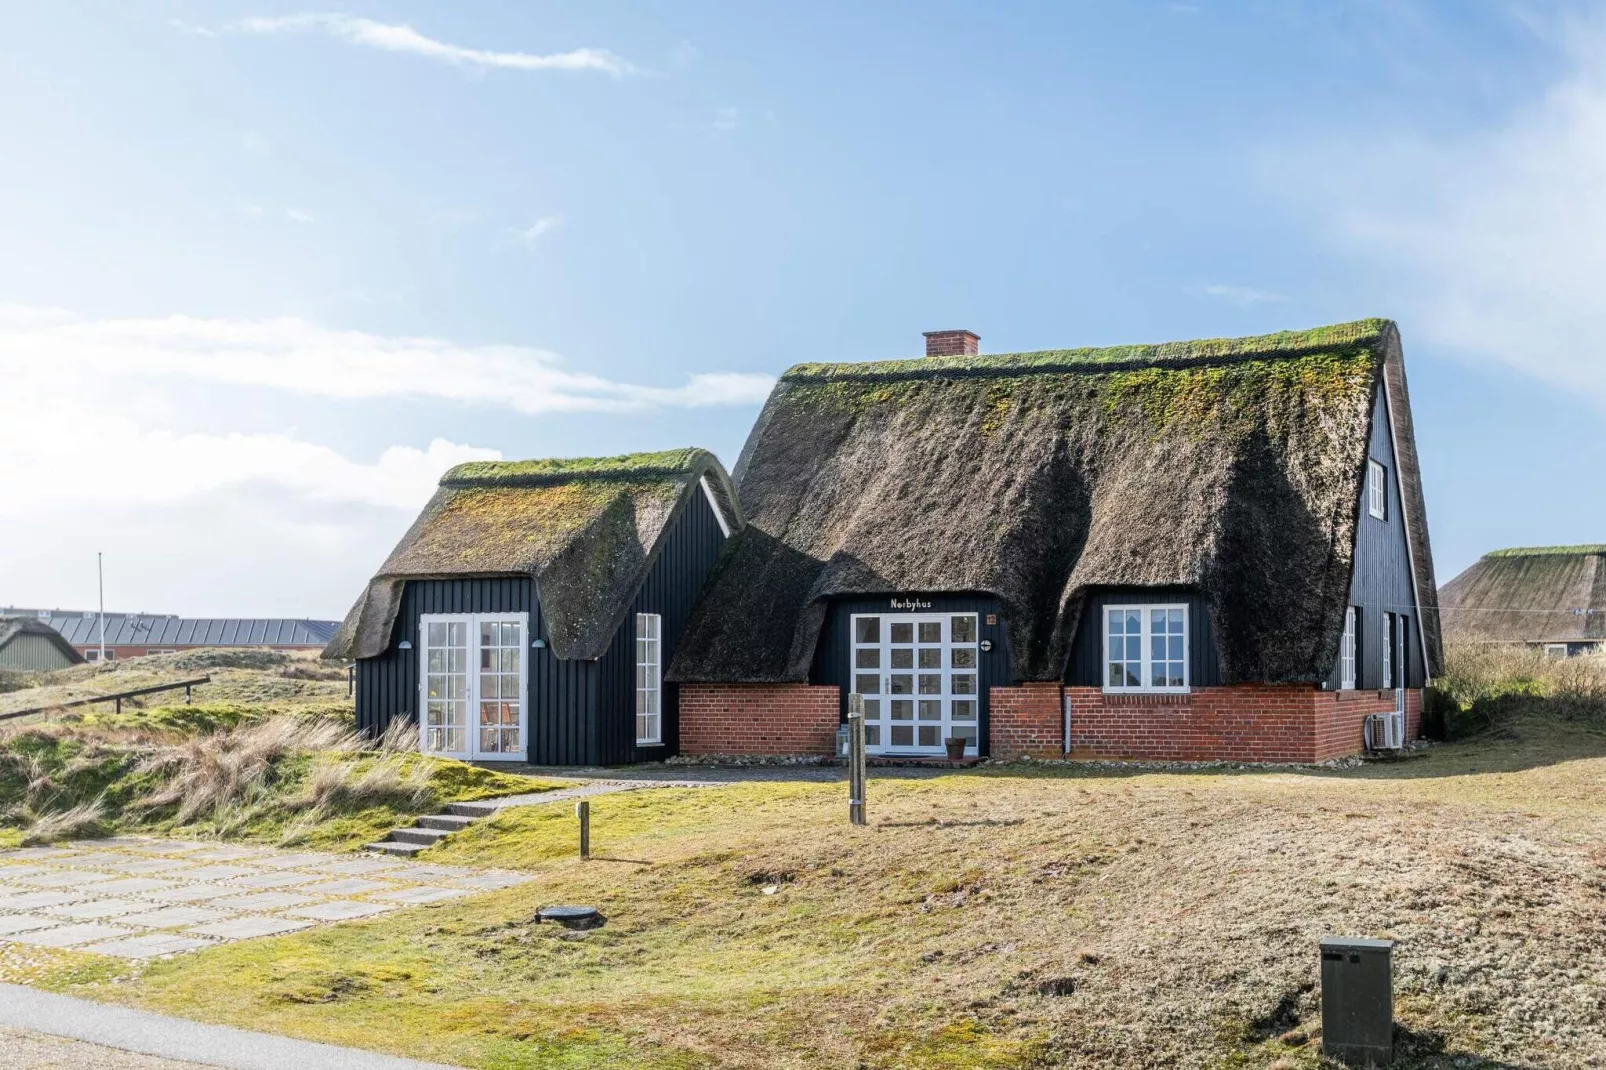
[11,627]
[1532,594]
[585,530]
[1234,466]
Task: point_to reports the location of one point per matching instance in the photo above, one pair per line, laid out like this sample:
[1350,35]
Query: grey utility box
[1358,1000]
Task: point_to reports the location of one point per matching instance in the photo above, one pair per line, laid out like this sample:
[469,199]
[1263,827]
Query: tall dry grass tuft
[208,774]
[54,825]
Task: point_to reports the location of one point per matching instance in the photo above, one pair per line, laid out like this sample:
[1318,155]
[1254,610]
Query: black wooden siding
[1381,581]
[1085,668]
[580,712]
[689,552]
[834,652]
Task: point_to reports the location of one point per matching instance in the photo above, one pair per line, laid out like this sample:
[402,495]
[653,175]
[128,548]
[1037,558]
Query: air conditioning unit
[1385,731]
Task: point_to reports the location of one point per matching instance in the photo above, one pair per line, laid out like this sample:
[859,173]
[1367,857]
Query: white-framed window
[1387,650]
[1346,652]
[1146,648]
[472,677]
[1555,650]
[1377,490]
[161,650]
[649,679]
[93,654]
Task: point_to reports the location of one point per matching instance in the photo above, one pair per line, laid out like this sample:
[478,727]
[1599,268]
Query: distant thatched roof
[1531,594]
[1234,466]
[585,530]
[11,627]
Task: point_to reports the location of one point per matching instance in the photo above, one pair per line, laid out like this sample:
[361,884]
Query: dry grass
[1007,917]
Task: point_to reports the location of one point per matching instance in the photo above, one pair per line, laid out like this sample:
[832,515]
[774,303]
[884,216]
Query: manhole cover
[572,917]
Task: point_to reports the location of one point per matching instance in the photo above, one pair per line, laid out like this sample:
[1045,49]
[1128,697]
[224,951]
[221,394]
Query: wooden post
[856,769]
[582,810]
[119,705]
[186,694]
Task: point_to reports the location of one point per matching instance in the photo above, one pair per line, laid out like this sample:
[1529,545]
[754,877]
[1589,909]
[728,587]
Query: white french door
[919,675]
[471,683]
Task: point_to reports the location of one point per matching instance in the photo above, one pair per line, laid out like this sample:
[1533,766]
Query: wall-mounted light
[404,645]
[986,645]
[538,644]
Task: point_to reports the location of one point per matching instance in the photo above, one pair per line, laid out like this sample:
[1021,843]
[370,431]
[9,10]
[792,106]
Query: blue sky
[270,268]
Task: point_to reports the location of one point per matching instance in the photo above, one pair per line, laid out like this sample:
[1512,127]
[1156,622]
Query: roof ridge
[1202,352]
[554,470]
[1581,550]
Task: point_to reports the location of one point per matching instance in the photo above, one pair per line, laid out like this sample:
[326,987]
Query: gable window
[1387,650]
[1377,490]
[1346,652]
[649,679]
[1146,648]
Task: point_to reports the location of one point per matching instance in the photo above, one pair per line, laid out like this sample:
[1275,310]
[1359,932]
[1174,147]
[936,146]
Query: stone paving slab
[250,927]
[68,935]
[340,910]
[415,896]
[174,917]
[142,898]
[150,946]
[348,886]
[35,900]
[92,909]
[21,923]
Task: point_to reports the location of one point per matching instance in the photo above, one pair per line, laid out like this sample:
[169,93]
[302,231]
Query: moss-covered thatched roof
[586,530]
[1232,465]
[11,627]
[1530,594]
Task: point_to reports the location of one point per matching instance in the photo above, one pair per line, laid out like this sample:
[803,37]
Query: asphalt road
[23,1049]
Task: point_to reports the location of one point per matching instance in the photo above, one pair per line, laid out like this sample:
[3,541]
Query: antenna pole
[100,580]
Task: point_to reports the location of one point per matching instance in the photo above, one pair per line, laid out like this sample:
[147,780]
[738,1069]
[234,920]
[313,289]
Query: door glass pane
[930,657]
[964,709]
[930,631]
[931,683]
[446,687]
[903,659]
[867,683]
[963,657]
[962,629]
[867,630]
[901,683]
[867,657]
[964,683]
[903,632]
[930,709]
[930,736]
[903,709]
[903,735]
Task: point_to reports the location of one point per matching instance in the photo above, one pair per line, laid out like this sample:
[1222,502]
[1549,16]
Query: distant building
[1552,597]
[132,635]
[27,644]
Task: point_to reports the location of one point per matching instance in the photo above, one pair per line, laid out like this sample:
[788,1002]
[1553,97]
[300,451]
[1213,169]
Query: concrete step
[420,836]
[446,822]
[471,810]
[391,847]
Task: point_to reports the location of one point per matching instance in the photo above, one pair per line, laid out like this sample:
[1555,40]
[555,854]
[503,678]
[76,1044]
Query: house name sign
[910,603]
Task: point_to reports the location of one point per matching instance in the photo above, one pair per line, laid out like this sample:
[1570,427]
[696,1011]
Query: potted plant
[956,748]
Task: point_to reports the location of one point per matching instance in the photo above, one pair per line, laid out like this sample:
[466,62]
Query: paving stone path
[137,897]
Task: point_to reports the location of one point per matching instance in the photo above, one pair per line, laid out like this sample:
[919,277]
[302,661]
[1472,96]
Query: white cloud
[298,357]
[543,226]
[727,119]
[1491,243]
[395,37]
[299,215]
[1242,296]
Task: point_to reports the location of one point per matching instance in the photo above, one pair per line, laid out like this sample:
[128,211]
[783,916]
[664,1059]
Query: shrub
[1486,684]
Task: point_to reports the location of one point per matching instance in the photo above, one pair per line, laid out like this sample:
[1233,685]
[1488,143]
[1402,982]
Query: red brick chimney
[952,343]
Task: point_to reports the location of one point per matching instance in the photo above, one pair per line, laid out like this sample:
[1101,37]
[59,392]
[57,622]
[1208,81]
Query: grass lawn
[1008,916]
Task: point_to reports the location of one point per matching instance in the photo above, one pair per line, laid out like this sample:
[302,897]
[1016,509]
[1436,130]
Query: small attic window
[1377,490]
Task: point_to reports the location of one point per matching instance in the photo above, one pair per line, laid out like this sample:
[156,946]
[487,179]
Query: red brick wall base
[1244,723]
[770,719]
[1248,723]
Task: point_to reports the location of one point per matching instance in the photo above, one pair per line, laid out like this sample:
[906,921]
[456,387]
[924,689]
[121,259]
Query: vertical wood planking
[1086,665]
